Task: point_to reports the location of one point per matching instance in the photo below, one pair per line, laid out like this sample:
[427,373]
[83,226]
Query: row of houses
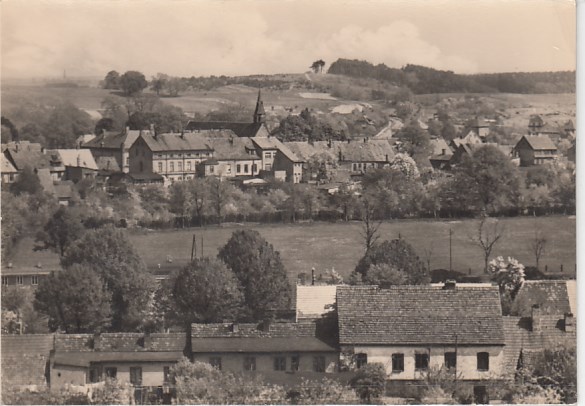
[409,329]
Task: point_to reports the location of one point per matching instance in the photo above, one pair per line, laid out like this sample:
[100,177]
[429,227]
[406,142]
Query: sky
[241,37]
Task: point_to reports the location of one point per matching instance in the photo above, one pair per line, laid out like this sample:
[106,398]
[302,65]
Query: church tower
[259,113]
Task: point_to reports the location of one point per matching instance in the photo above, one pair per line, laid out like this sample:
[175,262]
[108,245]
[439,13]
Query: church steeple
[259,113]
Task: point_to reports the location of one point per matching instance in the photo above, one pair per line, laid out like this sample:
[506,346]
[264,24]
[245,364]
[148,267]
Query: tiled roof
[551,296]
[233,148]
[313,300]
[304,150]
[81,158]
[28,154]
[240,129]
[408,315]
[111,140]
[439,145]
[24,358]
[539,142]
[84,359]
[120,342]
[369,151]
[282,330]
[521,338]
[275,143]
[7,166]
[176,142]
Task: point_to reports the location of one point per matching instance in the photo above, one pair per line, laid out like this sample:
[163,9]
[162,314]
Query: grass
[339,245]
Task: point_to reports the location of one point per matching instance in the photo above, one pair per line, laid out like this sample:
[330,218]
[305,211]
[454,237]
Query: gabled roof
[233,148]
[305,150]
[81,158]
[120,342]
[439,145]
[6,165]
[538,142]
[368,151]
[240,129]
[113,140]
[314,301]
[175,142]
[251,337]
[274,143]
[419,315]
[551,295]
[24,358]
[27,154]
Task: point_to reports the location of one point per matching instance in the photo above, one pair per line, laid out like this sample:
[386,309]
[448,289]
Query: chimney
[312,276]
[450,284]
[78,161]
[387,158]
[152,129]
[97,340]
[443,151]
[127,129]
[365,140]
[234,327]
[329,143]
[101,144]
[147,341]
[569,323]
[536,315]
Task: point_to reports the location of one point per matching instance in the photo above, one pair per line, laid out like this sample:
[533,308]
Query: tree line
[422,80]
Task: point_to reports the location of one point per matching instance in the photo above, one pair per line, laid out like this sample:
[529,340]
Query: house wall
[268,157]
[466,360]
[234,362]
[9,177]
[117,154]
[294,170]
[75,173]
[62,375]
[229,168]
[23,280]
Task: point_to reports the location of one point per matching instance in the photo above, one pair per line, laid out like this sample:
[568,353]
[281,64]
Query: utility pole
[193,248]
[450,251]
[456,359]
[201,246]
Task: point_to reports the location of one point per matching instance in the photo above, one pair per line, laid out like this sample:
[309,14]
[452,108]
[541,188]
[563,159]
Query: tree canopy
[62,230]
[260,271]
[132,82]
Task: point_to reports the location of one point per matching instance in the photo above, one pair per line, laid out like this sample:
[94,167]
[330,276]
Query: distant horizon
[249,37]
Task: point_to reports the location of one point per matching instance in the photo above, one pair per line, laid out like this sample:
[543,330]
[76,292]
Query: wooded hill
[421,80]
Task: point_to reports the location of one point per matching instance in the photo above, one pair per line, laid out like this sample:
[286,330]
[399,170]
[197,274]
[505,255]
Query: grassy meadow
[340,245]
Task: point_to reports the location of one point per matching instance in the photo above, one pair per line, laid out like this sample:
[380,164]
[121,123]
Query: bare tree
[488,234]
[538,245]
[428,255]
[370,226]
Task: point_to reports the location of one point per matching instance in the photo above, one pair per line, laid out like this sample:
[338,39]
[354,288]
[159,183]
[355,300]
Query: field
[339,245]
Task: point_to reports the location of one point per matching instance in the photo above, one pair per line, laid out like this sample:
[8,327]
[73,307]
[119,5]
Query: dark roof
[138,177]
[83,360]
[27,154]
[177,142]
[551,296]
[259,344]
[24,358]
[409,315]
[225,330]
[233,148]
[112,140]
[369,151]
[240,129]
[120,342]
[521,339]
[539,142]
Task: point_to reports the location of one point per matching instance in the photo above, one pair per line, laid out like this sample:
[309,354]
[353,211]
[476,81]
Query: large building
[114,145]
[535,150]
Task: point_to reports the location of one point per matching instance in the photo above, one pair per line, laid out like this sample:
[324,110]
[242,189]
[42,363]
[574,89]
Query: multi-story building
[114,145]
[535,150]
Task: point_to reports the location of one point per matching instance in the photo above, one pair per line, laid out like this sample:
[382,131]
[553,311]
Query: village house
[481,127]
[8,170]
[257,128]
[268,347]
[535,150]
[173,155]
[543,316]
[141,359]
[277,157]
[114,145]
[233,157]
[441,153]
[23,154]
[411,329]
[25,360]
[78,163]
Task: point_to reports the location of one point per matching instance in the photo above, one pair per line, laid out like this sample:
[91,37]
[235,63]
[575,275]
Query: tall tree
[62,230]
[180,200]
[260,271]
[400,255]
[27,182]
[487,235]
[75,300]
[109,252]
[112,80]
[538,245]
[206,291]
[132,82]
[370,224]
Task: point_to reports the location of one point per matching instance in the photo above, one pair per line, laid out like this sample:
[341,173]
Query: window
[160,167]
[361,360]
[136,376]
[4,280]
[215,362]
[166,374]
[111,372]
[211,169]
[246,168]
[228,169]
[483,361]
[180,166]
[450,360]
[319,364]
[280,363]
[94,374]
[238,168]
[267,167]
[19,280]
[189,166]
[294,362]
[34,280]
[172,167]
[354,167]
[249,364]
[397,362]
[254,168]
[421,361]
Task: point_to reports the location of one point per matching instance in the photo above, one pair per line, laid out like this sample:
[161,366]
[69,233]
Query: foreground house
[411,329]
[143,360]
[269,348]
[114,145]
[535,150]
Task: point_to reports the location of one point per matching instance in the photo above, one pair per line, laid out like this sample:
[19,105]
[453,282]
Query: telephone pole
[450,251]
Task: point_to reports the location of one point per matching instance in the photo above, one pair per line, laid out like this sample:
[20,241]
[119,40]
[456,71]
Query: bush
[369,382]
